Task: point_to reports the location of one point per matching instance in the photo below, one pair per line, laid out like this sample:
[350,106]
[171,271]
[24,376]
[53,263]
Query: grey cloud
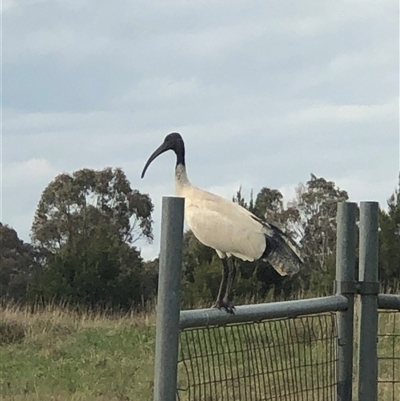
[263,93]
[88,55]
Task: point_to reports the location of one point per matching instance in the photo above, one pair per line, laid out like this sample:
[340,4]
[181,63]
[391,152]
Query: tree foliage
[101,272]
[389,243]
[313,212]
[74,205]
[19,262]
[88,222]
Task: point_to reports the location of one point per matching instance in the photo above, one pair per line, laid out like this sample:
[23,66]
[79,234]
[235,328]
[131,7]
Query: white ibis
[227,227]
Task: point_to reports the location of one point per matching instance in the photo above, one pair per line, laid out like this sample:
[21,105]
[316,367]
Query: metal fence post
[345,285]
[368,289]
[168,300]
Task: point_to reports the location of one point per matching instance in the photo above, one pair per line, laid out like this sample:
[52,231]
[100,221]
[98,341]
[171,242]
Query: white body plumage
[219,223]
[226,226]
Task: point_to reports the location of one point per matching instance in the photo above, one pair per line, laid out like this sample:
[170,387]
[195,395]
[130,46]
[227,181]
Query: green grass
[57,354]
[65,356]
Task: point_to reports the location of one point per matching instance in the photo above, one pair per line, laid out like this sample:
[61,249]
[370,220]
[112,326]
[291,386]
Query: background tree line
[86,226]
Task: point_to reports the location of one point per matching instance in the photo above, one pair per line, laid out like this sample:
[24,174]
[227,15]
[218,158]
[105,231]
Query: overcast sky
[263,92]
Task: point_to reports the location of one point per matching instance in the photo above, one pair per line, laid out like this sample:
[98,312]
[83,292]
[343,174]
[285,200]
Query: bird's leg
[224,281]
[232,274]
[220,303]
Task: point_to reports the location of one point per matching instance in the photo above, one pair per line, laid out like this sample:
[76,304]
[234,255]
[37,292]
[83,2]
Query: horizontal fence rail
[254,313]
[389,301]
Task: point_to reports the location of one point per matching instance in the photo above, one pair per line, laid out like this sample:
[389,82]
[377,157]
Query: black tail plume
[281,251]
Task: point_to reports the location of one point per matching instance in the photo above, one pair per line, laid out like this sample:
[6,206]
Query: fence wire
[282,359]
[389,355]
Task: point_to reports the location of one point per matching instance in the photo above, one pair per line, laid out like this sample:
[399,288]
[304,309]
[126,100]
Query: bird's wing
[233,230]
[222,225]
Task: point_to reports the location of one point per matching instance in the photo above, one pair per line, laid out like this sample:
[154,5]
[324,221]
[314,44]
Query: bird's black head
[173,142]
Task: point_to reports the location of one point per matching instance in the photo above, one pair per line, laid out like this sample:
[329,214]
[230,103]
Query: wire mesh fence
[389,355]
[282,359]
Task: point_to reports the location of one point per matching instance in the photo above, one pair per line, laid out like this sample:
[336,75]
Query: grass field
[58,355]
[55,354]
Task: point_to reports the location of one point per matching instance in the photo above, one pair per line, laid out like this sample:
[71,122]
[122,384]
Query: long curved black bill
[161,149]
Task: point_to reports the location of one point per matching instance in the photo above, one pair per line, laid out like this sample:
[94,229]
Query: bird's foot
[223,304]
